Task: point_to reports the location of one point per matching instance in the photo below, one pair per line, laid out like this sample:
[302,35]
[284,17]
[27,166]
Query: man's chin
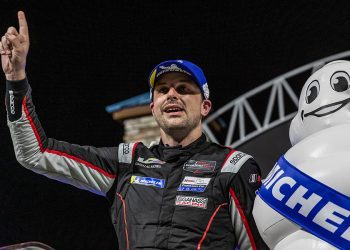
[175,125]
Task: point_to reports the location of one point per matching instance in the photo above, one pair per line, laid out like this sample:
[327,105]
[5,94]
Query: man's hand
[14,48]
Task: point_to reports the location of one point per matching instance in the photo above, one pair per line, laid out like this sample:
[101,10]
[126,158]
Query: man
[182,193]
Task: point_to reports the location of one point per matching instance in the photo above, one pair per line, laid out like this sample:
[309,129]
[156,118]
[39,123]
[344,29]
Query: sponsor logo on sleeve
[199,167]
[253,178]
[147,181]
[237,157]
[12,102]
[191,201]
[126,148]
[194,184]
[149,163]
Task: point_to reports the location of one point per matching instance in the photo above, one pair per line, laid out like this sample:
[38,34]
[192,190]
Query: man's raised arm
[85,167]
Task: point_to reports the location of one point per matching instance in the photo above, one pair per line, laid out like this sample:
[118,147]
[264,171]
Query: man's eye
[163,90]
[182,89]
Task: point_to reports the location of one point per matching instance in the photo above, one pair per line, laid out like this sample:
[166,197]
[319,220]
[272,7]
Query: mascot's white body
[320,135]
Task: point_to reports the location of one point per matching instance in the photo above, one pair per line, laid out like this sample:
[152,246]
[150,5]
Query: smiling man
[181,193]
[177,101]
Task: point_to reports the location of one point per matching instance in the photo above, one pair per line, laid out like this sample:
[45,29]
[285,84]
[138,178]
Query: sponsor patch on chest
[194,184]
[191,201]
[199,167]
[147,181]
[149,163]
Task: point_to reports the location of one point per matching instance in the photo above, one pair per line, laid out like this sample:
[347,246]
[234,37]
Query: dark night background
[85,55]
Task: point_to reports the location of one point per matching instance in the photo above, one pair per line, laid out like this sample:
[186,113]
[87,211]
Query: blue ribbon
[288,178]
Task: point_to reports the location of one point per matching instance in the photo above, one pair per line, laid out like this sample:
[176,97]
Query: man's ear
[206,107]
[151,105]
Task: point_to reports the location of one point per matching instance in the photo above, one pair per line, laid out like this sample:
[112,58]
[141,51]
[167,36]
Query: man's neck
[175,139]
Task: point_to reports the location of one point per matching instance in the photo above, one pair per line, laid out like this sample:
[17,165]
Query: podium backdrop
[85,55]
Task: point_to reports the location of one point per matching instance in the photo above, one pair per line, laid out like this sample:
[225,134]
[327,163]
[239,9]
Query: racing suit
[195,197]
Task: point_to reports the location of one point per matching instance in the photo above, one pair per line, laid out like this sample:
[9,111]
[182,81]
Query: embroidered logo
[149,163]
[205,90]
[198,167]
[194,184]
[191,201]
[12,102]
[171,68]
[147,181]
[253,178]
[126,148]
[237,157]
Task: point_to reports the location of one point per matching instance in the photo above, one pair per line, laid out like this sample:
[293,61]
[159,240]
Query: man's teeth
[173,110]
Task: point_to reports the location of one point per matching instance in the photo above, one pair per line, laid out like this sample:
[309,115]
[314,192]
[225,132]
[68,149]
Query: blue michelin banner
[317,208]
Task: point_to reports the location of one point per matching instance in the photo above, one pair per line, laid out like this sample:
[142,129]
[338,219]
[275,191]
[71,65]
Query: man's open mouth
[172,109]
[326,109]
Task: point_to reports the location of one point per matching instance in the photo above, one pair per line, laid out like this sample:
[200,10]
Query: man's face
[178,103]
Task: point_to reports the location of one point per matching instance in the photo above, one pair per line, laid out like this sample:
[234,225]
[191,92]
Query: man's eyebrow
[180,80]
[159,83]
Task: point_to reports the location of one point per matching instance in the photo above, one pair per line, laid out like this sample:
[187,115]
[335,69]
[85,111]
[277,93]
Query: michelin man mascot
[304,203]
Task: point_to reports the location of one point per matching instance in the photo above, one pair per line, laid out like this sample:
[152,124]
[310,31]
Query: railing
[229,125]
[30,245]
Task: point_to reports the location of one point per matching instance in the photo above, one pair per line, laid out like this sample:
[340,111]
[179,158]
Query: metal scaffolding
[228,125]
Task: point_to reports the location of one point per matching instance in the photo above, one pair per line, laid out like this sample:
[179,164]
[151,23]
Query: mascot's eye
[312,91]
[340,81]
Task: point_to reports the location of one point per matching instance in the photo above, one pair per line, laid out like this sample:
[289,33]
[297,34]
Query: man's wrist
[16,76]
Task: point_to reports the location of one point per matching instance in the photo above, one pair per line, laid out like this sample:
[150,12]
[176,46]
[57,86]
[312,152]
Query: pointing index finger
[23,26]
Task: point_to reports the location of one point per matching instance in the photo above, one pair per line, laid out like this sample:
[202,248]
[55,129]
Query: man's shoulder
[126,151]
[234,159]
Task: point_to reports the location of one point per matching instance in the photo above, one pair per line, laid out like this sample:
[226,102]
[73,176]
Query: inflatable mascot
[304,202]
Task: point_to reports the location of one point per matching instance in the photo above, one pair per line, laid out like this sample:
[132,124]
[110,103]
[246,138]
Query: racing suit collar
[173,153]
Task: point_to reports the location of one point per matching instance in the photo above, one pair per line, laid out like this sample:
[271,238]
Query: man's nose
[172,93]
